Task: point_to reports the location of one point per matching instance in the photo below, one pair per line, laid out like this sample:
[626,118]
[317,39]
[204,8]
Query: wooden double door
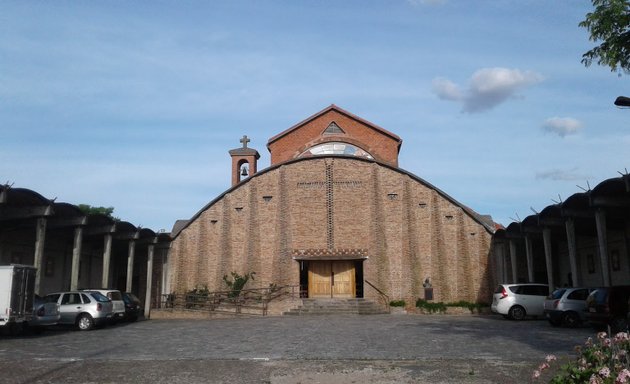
[331,279]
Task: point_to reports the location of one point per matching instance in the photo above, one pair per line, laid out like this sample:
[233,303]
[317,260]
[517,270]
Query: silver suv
[567,306]
[117,301]
[515,301]
[83,309]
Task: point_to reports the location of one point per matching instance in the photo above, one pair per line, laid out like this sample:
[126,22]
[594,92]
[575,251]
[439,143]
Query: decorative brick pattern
[403,240]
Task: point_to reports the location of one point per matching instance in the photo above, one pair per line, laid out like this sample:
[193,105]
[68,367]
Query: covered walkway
[72,250]
[583,241]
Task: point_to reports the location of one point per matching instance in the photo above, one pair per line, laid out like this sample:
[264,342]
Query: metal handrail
[384,298]
[220,301]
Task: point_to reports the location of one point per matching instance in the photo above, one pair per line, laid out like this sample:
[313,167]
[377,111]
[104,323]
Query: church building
[335,215]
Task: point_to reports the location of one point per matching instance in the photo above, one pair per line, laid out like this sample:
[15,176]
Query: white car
[515,301]
[117,300]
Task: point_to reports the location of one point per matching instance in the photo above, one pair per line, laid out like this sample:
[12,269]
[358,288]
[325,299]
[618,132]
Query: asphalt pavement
[291,349]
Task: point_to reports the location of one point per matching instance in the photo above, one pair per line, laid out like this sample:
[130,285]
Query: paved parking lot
[317,349]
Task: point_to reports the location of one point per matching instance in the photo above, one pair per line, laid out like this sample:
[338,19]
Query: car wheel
[517,312]
[555,322]
[571,319]
[85,322]
[618,324]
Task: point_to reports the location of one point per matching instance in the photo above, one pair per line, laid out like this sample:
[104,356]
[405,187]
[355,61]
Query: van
[516,301]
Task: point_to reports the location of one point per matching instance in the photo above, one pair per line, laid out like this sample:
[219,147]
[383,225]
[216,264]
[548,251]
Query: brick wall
[410,231]
[383,147]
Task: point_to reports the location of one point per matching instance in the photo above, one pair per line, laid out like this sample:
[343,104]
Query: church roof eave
[483,220]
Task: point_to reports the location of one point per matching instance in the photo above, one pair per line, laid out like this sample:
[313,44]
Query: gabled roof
[342,111]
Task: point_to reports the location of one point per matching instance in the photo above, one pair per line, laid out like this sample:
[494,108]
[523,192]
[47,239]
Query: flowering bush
[605,361]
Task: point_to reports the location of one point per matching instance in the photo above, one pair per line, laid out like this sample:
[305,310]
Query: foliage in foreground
[605,361]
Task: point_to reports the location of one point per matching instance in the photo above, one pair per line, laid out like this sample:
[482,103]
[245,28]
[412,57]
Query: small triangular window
[333,129]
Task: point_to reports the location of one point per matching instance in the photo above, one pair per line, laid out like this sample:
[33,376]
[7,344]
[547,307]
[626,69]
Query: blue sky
[135,104]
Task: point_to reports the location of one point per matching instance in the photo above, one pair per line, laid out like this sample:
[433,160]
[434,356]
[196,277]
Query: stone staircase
[337,307]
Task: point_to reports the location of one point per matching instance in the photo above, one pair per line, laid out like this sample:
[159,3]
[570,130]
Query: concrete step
[359,306]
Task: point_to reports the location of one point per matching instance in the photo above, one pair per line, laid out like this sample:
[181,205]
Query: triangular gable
[342,111]
[333,129]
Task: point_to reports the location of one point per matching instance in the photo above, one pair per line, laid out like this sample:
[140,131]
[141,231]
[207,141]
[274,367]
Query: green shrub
[430,306]
[237,283]
[397,303]
[440,307]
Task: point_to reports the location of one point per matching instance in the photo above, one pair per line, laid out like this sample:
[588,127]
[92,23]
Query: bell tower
[244,161]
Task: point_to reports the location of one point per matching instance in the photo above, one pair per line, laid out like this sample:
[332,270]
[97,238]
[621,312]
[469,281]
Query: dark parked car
[45,313]
[608,307]
[133,307]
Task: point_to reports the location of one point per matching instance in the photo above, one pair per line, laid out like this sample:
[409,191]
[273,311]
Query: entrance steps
[357,306]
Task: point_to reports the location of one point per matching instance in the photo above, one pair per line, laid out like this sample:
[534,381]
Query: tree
[89,210]
[610,24]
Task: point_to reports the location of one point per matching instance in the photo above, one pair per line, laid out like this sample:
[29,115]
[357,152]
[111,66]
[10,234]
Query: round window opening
[336,148]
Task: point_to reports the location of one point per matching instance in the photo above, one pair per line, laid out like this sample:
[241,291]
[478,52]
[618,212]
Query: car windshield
[557,294]
[99,297]
[130,298]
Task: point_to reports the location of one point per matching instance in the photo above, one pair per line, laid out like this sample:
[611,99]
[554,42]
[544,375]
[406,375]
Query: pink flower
[601,335]
[550,358]
[595,380]
[621,336]
[604,372]
[536,374]
[543,366]
[623,376]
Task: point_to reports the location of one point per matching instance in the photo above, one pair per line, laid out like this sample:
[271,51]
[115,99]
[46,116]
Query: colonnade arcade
[582,241]
[72,250]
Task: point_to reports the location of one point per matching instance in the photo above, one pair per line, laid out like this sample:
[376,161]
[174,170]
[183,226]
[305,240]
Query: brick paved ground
[318,349]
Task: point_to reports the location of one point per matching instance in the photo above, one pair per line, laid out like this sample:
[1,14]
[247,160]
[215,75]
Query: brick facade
[399,229]
[408,230]
[381,144]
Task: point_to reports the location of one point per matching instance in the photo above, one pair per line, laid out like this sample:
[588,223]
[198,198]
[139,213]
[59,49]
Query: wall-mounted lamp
[392,196]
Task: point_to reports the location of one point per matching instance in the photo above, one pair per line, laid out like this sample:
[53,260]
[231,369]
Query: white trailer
[17,290]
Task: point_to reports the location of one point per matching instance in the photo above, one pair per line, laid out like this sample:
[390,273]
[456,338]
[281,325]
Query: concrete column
[131,254]
[76,258]
[530,259]
[107,254]
[147,300]
[500,259]
[513,260]
[548,258]
[600,220]
[572,244]
[38,259]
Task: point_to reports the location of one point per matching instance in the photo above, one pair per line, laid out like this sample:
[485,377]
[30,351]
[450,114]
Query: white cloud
[446,89]
[426,2]
[562,126]
[560,175]
[488,87]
